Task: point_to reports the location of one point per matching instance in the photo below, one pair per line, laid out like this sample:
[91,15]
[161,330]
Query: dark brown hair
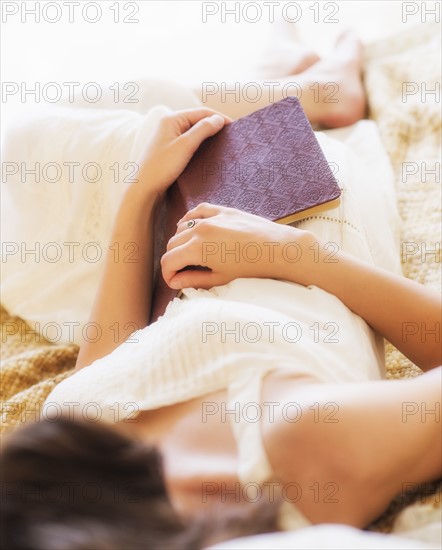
[73,485]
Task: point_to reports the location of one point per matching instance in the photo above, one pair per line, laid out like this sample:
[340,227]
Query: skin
[330,89]
[371,451]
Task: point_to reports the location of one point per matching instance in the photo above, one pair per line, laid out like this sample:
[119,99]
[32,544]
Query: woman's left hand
[172,145]
[230,244]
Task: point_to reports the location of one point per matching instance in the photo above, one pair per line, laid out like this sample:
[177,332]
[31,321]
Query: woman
[312,429]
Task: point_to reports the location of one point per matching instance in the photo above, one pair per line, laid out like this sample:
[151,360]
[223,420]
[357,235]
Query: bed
[400,73]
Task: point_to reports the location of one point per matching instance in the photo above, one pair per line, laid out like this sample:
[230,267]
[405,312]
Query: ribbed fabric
[190,352]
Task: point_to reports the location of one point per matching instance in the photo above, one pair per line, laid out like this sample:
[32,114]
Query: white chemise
[209,339]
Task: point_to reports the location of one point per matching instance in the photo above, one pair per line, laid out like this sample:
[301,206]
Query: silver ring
[191,223]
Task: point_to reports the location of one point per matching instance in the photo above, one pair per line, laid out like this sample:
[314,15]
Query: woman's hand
[231,244]
[172,145]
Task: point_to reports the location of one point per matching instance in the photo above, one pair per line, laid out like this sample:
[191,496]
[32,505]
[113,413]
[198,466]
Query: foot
[290,60]
[283,52]
[305,59]
[337,97]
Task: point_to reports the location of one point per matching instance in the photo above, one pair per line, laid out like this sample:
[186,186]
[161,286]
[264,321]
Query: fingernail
[175,285]
[217,120]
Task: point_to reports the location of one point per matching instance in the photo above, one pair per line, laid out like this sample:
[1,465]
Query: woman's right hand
[172,145]
[232,244]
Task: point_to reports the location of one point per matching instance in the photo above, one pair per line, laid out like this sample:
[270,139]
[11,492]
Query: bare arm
[123,300]
[405,312]
[122,303]
[369,441]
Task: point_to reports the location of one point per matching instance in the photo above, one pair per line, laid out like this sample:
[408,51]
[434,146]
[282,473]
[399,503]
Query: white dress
[229,338]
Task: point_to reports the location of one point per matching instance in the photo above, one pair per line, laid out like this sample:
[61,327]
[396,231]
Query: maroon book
[268,163]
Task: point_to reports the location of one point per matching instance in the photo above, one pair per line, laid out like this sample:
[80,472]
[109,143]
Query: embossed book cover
[268,163]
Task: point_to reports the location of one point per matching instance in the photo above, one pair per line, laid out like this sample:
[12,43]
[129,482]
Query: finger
[178,258]
[182,236]
[195,279]
[203,210]
[183,226]
[203,129]
[192,116]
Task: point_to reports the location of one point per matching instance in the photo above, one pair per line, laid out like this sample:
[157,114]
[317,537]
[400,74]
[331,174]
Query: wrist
[140,198]
[302,257]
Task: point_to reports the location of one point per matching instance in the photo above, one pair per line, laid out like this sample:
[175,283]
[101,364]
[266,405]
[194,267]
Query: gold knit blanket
[30,368]
[400,72]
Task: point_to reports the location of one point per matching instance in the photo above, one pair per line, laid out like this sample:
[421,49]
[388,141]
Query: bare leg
[330,90]
[359,444]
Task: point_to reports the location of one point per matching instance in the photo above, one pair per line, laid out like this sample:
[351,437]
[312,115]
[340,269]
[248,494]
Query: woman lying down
[256,403]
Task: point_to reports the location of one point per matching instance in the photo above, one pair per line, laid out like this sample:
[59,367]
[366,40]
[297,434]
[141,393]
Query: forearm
[406,313]
[123,300]
[122,303]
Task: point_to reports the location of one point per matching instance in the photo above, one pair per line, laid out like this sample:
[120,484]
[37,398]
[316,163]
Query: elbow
[432,362]
[83,360]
